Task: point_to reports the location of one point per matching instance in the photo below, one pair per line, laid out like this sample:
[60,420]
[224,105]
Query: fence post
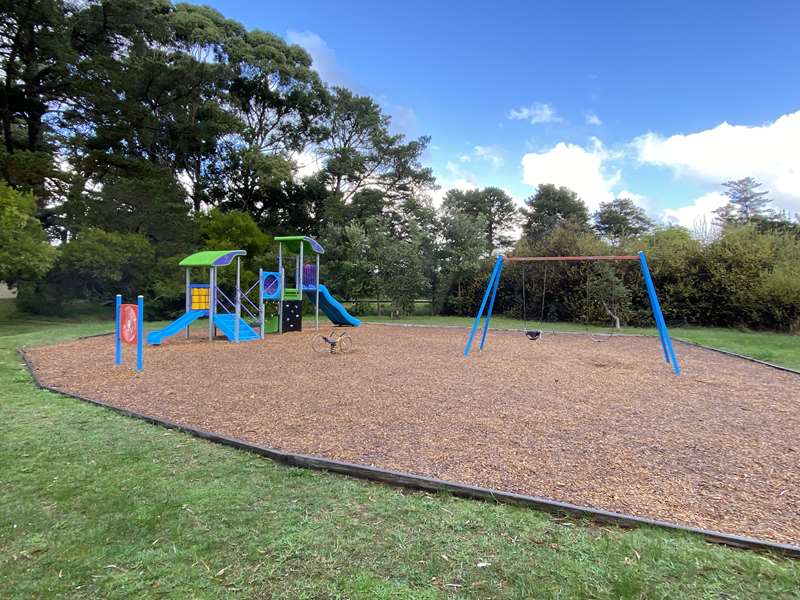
[140,333]
[118,345]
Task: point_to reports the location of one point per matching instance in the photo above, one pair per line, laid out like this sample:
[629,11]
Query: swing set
[494,283]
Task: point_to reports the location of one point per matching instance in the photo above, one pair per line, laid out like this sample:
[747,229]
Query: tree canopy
[746,202]
[551,206]
[620,219]
[135,132]
[494,206]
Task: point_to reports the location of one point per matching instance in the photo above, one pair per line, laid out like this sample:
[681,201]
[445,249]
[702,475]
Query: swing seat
[533,334]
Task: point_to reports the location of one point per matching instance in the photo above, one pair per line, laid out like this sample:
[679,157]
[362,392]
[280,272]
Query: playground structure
[242,318]
[306,282]
[129,329]
[494,283]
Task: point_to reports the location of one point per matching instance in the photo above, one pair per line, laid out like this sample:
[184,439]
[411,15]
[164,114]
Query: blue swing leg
[491,305]
[666,343]
[495,274]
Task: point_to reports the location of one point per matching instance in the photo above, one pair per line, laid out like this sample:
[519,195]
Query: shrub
[24,251]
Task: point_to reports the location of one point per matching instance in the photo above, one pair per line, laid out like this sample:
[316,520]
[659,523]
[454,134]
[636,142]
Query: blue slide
[331,306]
[154,338]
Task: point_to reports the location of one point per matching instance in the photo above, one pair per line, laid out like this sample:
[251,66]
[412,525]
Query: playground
[604,425]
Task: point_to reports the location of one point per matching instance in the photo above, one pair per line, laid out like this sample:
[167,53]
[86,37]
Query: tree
[746,203]
[236,229]
[621,219]
[278,102]
[248,179]
[275,93]
[98,264]
[35,80]
[463,245]
[24,251]
[549,207]
[150,86]
[140,198]
[358,151]
[493,205]
[233,229]
[400,273]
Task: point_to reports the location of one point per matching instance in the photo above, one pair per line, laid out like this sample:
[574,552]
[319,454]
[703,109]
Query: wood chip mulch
[605,425]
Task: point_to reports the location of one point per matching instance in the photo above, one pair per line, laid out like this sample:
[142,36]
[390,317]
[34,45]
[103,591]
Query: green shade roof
[211,258]
[292,244]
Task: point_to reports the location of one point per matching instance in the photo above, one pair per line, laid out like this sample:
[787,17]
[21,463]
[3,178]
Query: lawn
[93,504]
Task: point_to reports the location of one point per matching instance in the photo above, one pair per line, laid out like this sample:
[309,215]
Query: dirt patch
[605,425]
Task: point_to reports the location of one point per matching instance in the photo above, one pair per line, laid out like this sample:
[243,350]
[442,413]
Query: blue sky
[658,101]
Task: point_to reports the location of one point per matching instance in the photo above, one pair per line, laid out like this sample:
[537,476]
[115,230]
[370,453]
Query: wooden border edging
[430,484]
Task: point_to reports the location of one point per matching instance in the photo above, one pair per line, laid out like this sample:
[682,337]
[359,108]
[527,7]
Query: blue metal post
[654,306]
[140,334]
[666,343]
[491,302]
[483,303]
[118,349]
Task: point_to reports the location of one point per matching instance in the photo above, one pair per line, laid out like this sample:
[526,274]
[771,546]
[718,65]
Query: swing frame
[494,283]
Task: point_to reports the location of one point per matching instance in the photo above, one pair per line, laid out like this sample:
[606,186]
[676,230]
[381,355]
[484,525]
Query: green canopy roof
[211,258]
[292,244]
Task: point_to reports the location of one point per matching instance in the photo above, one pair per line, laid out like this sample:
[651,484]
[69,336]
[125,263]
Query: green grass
[96,505]
[777,348]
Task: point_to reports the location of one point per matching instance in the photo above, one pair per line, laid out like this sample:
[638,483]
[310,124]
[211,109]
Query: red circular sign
[128,323]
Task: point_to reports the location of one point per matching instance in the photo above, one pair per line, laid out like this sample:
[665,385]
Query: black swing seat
[533,334]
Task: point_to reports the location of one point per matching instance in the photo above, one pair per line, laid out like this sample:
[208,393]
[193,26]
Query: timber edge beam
[568,258]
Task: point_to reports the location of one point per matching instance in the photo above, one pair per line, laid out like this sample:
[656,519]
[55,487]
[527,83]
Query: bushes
[93,267]
[24,251]
[746,278]
[236,230]
[97,264]
[779,289]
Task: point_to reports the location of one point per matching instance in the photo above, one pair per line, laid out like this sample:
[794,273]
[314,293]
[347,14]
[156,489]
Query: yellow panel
[199,298]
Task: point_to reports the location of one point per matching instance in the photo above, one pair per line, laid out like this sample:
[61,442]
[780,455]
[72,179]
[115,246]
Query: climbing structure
[209,300]
[305,279]
[243,318]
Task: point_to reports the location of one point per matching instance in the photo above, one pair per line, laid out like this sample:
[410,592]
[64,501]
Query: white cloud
[593,119]
[322,55]
[637,198]
[538,112]
[697,215]
[306,163]
[491,154]
[457,179]
[770,153]
[574,167]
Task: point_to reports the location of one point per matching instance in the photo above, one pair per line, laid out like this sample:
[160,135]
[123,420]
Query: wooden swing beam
[567,258]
